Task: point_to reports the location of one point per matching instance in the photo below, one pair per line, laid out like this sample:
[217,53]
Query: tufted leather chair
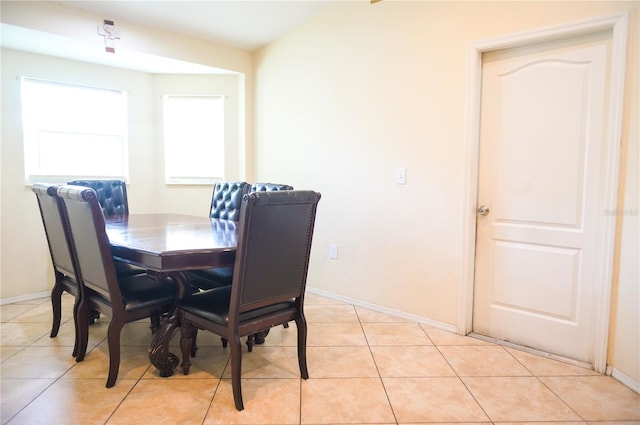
[220,276]
[112,195]
[226,198]
[123,299]
[269,187]
[225,204]
[269,279]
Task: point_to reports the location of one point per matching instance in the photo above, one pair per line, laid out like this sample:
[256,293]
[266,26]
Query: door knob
[483,210]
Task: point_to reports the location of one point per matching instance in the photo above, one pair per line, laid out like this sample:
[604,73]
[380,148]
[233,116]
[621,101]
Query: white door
[542,135]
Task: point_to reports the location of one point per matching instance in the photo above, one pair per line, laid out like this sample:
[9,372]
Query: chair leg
[56,306]
[81,323]
[93,316]
[113,341]
[186,339]
[250,343]
[236,368]
[194,343]
[78,338]
[301,323]
[155,323]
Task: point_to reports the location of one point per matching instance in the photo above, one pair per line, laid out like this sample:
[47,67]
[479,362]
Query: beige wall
[24,257]
[360,90]
[26,266]
[624,348]
[76,26]
[340,103]
[197,199]
[25,262]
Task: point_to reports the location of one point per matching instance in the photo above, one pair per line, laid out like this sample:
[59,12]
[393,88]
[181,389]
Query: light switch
[401,175]
[333,251]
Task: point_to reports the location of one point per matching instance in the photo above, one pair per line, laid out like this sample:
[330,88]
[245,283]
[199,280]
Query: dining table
[169,245]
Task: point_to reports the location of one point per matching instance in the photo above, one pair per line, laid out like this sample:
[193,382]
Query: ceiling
[243,24]
[247,25]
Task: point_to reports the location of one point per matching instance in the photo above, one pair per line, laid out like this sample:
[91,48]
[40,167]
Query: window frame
[172,178]
[31,144]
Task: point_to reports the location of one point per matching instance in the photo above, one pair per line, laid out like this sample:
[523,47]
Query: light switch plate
[333,251]
[401,175]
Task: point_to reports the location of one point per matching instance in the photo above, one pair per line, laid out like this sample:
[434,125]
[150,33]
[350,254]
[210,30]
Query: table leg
[159,354]
[259,337]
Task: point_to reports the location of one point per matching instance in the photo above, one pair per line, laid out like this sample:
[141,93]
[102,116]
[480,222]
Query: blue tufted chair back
[226,200]
[112,195]
[269,187]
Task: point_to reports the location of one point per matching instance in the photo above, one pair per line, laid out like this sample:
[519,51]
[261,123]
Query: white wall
[26,267]
[360,90]
[341,102]
[75,27]
[197,199]
[26,264]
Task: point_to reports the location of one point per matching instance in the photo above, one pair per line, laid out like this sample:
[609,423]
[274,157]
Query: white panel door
[541,143]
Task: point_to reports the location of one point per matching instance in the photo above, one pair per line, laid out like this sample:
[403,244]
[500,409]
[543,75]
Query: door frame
[618,25]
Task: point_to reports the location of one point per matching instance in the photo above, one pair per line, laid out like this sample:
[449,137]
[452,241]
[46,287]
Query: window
[73,131]
[194,139]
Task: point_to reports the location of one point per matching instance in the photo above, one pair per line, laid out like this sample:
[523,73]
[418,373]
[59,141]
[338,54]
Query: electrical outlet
[333,251]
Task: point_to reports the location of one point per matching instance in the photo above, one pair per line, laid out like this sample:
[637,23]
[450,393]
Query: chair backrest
[269,187]
[226,199]
[112,195]
[89,237]
[55,228]
[274,244]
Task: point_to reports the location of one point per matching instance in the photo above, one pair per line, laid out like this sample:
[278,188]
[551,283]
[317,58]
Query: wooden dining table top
[172,242]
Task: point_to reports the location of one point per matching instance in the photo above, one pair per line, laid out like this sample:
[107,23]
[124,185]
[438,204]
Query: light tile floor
[365,368]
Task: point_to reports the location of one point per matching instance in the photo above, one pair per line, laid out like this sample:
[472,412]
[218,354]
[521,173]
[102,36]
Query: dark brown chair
[64,267]
[269,279]
[124,300]
[221,276]
[112,197]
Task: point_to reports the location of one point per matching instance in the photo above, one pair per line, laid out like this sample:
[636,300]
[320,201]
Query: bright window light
[73,131]
[194,139]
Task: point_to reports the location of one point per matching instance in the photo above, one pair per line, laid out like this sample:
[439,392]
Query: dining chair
[124,299]
[269,187]
[269,278]
[112,197]
[221,276]
[226,198]
[225,205]
[60,248]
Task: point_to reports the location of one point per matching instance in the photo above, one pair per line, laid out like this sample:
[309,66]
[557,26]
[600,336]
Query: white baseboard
[23,298]
[625,380]
[381,309]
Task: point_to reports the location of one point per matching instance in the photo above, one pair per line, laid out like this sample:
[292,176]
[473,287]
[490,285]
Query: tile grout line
[384,387]
[542,383]
[125,396]
[215,390]
[460,378]
[45,388]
